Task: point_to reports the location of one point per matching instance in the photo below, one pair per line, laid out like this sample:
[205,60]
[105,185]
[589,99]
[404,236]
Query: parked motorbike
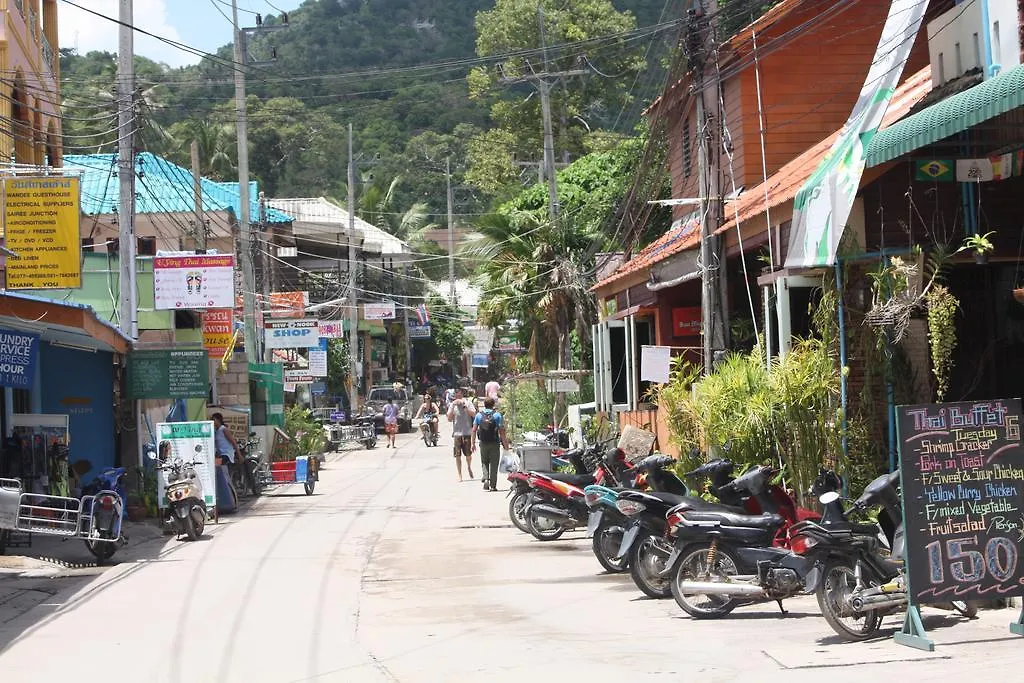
[186,504]
[520,488]
[862,572]
[249,477]
[722,560]
[426,431]
[108,512]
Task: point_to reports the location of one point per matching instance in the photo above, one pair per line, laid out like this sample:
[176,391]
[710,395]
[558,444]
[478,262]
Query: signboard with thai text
[218,327]
[41,217]
[193,281]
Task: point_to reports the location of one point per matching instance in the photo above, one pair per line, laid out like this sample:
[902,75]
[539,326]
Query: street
[394,571]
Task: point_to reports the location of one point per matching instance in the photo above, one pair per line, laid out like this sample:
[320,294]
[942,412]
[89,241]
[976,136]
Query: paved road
[394,571]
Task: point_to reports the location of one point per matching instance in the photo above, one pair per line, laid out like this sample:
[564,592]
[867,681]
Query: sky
[196,23]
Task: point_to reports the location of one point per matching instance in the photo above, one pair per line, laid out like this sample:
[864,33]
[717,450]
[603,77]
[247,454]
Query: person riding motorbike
[428,411]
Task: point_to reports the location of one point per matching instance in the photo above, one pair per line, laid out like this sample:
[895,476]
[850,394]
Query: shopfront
[59,369]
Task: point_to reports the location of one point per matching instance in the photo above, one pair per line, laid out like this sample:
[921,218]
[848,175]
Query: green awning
[984,101]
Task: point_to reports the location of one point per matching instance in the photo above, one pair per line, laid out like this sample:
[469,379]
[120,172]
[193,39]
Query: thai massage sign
[41,227]
[19,354]
[962,470]
[193,281]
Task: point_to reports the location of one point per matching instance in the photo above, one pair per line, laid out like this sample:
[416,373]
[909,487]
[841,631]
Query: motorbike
[186,506]
[862,570]
[520,488]
[108,512]
[249,477]
[606,524]
[427,431]
[722,560]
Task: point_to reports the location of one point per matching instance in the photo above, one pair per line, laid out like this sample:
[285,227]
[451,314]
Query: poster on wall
[192,442]
[218,326]
[41,226]
[193,281]
[19,355]
[298,333]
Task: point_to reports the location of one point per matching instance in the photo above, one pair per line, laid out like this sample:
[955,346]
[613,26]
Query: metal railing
[47,51]
[20,4]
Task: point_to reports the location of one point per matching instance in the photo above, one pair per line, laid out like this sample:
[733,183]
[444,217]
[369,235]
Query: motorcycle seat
[577,480]
[765,521]
[683,503]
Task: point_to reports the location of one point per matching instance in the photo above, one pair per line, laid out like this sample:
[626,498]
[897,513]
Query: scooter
[107,514]
[252,476]
[519,490]
[186,504]
[427,430]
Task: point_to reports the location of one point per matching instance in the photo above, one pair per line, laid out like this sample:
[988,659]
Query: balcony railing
[20,4]
[47,52]
[33,22]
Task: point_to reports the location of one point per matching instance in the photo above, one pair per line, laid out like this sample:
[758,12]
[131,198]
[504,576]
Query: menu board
[962,469]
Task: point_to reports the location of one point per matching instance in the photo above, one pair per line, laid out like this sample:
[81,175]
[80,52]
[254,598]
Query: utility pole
[265,264]
[451,231]
[197,189]
[128,318]
[353,309]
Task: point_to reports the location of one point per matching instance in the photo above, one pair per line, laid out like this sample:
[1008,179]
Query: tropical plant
[942,310]
[306,433]
[979,244]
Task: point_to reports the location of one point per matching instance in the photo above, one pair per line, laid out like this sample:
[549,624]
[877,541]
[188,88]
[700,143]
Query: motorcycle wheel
[644,564]
[694,565]
[256,485]
[607,539]
[517,511]
[837,583]
[967,608]
[101,550]
[198,517]
[542,528]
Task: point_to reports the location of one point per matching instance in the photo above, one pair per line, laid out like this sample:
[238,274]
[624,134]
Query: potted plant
[981,245]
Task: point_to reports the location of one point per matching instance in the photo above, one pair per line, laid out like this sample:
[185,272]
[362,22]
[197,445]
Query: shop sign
[193,281]
[192,442]
[381,311]
[332,329]
[686,321]
[562,386]
[419,331]
[19,354]
[318,388]
[41,217]
[508,343]
[483,340]
[301,376]
[288,304]
[296,333]
[218,326]
[480,360]
[168,373]
[318,363]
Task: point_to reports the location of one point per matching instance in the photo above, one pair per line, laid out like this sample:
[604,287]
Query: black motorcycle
[249,476]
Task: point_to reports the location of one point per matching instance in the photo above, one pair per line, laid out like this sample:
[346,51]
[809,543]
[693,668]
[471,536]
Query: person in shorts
[390,422]
[461,413]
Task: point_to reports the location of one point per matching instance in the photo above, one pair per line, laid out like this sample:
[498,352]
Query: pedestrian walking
[489,433]
[390,422]
[461,414]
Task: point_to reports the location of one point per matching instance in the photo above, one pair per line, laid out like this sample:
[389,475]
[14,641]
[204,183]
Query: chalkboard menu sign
[168,373]
[962,469]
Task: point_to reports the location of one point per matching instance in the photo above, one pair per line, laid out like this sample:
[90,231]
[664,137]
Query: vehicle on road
[428,433]
[108,512]
[378,397]
[186,511]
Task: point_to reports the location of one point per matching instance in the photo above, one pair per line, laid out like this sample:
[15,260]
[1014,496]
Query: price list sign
[962,469]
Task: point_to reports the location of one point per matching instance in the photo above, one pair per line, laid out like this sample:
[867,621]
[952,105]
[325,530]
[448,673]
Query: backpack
[487,430]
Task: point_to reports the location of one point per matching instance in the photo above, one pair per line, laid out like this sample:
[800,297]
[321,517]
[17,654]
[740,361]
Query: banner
[41,217]
[194,281]
[288,304]
[218,326]
[301,333]
[19,355]
[823,205]
[381,311]
[318,363]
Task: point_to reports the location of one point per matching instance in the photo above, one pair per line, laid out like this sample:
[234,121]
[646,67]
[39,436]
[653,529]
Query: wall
[80,385]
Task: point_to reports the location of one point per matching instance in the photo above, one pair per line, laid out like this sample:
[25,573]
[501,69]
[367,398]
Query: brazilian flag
[935,170]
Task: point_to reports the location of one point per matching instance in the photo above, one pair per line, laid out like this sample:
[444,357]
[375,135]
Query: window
[145,246]
[617,385]
[687,154]
[959,61]
[977,52]
[997,45]
[22,401]
[88,244]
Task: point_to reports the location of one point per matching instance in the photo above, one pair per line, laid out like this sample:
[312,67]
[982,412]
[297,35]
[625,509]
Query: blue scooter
[107,513]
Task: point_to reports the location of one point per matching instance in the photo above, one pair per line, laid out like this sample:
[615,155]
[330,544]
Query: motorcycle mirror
[829,497]
[151,455]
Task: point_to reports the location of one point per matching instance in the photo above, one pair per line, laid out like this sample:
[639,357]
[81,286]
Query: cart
[34,513]
[303,470]
[362,432]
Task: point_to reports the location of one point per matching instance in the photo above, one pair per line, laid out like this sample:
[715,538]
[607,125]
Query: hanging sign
[19,355]
[218,327]
[192,442]
[166,373]
[193,281]
[419,331]
[318,363]
[962,472]
[332,329]
[288,304]
[381,311]
[297,333]
[41,226]
[480,360]
[301,376]
[655,364]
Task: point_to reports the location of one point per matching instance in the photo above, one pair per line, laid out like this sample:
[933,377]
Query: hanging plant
[981,245]
[942,309]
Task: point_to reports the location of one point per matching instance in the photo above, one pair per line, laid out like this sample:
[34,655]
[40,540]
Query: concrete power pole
[128,309]
[253,345]
[451,231]
[197,189]
[710,141]
[353,309]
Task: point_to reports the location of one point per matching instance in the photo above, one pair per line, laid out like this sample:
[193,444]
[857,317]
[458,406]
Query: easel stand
[913,634]
[1017,627]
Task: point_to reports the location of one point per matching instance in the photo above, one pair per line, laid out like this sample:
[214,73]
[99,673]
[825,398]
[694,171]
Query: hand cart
[303,470]
[362,432]
[34,513]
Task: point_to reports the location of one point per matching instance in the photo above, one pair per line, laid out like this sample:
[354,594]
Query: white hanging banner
[382,311]
[655,364]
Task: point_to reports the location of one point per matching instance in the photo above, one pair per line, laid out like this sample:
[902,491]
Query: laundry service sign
[295,333]
[19,353]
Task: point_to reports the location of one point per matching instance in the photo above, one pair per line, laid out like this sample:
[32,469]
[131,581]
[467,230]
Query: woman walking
[390,422]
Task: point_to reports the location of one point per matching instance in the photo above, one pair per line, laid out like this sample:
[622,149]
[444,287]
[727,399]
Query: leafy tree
[448,332]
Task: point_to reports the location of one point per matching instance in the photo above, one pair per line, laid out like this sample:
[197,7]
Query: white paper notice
[655,363]
[318,363]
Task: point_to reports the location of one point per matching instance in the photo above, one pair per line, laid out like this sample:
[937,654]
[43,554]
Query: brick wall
[233,383]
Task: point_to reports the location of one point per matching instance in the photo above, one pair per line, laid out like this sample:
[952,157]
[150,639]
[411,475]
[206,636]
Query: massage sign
[962,470]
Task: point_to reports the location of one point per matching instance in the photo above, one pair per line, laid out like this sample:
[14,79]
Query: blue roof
[161,187]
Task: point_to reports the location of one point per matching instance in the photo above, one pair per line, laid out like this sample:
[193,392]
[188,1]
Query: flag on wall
[935,170]
[422,314]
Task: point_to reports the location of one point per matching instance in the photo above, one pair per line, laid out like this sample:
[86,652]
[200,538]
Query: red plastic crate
[282,472]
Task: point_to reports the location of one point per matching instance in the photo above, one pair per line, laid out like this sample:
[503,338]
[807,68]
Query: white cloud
[85,31]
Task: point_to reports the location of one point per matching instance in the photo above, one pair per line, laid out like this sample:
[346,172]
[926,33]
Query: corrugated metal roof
[161,187]
[984,101]
[318,211]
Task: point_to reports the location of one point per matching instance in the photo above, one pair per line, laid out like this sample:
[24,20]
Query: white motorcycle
[186,505]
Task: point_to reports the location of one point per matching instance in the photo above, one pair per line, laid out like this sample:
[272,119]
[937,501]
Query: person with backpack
[489,433]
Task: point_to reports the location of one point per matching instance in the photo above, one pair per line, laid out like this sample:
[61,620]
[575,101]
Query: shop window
[21,401]
[145,246]
[617,345]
